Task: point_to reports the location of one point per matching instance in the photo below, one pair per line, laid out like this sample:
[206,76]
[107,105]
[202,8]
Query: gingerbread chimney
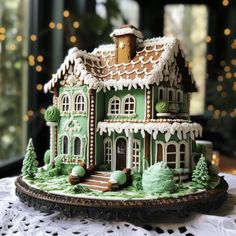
[126,40]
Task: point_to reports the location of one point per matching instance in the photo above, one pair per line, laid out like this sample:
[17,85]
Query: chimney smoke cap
[127,29]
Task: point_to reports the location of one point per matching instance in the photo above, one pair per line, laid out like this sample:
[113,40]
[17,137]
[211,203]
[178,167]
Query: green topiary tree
[200,176]
[30,163]
[162,107]
[46,157]
[52,114]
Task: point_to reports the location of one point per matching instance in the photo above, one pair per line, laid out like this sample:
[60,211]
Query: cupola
[126,38]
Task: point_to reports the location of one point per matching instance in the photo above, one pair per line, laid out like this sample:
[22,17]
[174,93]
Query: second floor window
[79,104]
[129,105]
[65,103]
[114,106]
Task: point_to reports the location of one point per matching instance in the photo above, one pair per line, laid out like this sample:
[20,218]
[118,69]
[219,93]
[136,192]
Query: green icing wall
[140,102]
[80,119]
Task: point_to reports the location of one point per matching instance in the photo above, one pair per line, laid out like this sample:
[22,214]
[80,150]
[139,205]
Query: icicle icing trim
[182,129]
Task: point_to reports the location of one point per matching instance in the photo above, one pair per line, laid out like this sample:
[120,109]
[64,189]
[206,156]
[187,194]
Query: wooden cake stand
[122,209]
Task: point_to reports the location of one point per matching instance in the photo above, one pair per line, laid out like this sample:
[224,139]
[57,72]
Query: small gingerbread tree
[200,176]
[30,163]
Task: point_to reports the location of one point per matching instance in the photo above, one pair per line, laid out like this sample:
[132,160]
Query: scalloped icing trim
[182,129]
[78,58]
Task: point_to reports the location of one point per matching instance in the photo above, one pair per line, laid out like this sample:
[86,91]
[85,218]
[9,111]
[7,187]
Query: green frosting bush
[78,171]
[158,178]
[52,114]
[46,157]
[119,176]
[162,107]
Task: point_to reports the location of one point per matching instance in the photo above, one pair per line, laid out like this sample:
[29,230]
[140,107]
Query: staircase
[99,181]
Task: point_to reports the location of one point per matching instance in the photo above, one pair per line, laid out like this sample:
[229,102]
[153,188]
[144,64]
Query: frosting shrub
[158,178]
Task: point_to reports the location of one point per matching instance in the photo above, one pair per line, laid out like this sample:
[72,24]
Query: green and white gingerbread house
[124,105]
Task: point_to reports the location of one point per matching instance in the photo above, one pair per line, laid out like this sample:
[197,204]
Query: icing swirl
[52,114]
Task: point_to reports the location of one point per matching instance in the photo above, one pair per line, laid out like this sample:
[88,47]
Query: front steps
[99,181]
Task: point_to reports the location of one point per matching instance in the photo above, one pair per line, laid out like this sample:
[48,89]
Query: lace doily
[18,219]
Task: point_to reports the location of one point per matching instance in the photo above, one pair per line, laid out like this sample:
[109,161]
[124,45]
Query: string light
[2,37]
[227,31]
[19,38]
[38,68]
[220,78]
[59,26]
[210,108]
[39,87]
[209,57]
[30,113]
[33,37]
[225,3]
[42,110]
[226,68]
[76,24]
[12,47]
[228,75]
[2,30]
[40,58]
[25,118]
[222,63]
[66,13]
[208,39]
[51,25]
[219,88]
[73,39]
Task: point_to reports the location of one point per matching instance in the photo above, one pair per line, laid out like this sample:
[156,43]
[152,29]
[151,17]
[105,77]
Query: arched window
[114,106]
[77,146]
[182,153]
[65,144]
[128,105]
[79,103]
[65,103]
[171,155]
[107,151]
[136,153]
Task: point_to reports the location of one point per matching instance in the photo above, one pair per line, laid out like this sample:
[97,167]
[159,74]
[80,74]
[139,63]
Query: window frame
[124,103]
[109,148]
[110,103]
[82,103]
[61,104]
[135,156]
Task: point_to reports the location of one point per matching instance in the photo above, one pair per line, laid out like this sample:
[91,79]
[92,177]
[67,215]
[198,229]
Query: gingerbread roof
[156,60]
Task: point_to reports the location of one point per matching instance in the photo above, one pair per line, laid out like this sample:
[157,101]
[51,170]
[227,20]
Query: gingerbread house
[109,99]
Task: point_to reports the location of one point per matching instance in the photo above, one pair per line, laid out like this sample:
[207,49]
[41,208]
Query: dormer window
[128,105]
[114,106]
[79,103]
[65,103]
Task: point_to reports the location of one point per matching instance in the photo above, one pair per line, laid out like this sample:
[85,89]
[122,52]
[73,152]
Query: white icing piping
[94,81]
[182,129]
[128,30]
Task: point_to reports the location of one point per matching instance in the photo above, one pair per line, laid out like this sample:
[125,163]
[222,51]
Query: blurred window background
[13,79]
[35,36]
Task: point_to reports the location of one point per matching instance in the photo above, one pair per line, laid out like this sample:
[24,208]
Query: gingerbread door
[120,153]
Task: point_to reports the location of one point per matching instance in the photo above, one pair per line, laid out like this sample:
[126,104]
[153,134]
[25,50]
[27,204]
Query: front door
[120,153]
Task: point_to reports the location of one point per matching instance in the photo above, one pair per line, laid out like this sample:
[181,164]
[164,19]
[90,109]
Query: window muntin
[114,106]
[77,146]
[171,155]
[65,103]
[136,153]
[79,103]
[128,105]
[107,151]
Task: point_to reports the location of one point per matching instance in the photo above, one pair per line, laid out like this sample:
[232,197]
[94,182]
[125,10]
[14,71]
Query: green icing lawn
[61,185]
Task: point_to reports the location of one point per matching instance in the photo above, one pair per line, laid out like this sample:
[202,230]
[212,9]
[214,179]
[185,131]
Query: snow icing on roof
[154,62]
[153,128]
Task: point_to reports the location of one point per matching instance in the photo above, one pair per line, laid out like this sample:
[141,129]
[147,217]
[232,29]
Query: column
[52,126]
[129,154]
